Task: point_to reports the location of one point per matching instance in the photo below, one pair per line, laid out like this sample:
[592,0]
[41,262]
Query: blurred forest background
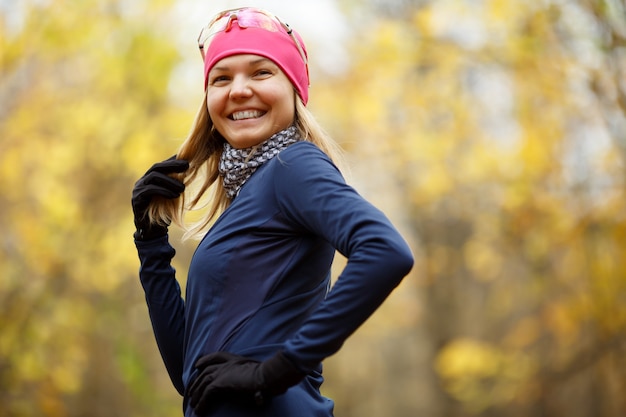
[492,132]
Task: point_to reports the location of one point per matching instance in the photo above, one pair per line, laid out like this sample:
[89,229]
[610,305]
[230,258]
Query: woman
[259,315]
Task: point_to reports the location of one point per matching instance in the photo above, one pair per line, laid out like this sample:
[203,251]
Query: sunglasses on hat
[248,17]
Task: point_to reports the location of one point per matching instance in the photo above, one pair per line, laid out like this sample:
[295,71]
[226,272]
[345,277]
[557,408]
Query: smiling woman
[259,316]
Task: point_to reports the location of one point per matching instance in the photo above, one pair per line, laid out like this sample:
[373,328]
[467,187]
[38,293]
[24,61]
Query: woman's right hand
[155,182]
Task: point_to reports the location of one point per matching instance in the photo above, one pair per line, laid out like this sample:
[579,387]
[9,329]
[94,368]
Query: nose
[240,87]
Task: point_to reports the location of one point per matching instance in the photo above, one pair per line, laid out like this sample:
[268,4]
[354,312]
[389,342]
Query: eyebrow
[250,64]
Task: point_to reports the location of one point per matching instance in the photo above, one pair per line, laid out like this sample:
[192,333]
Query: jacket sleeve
[312,193]
[165,303]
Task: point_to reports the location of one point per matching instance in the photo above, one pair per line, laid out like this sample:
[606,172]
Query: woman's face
[249,99]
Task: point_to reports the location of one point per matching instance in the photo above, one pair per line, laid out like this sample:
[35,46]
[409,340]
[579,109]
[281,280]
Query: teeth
[248,114]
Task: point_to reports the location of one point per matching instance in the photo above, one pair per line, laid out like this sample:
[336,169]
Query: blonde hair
[203,149]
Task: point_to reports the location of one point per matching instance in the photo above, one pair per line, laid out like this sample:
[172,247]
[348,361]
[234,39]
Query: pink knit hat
[277,46]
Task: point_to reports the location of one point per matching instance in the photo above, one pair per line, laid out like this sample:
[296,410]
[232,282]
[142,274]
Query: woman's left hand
[225,376]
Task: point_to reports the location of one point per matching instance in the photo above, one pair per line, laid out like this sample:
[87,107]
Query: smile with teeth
[247,114]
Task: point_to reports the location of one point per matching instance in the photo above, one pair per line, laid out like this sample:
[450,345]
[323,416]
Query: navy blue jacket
[259,280]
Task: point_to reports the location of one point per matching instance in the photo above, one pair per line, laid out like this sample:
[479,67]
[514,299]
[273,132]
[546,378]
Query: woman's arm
[312,192]
[165,304]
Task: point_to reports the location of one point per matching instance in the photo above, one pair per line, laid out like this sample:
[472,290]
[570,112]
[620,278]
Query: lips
[246,114]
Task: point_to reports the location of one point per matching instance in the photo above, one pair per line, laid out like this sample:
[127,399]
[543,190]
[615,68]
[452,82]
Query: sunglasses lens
[251,19]
[217,25]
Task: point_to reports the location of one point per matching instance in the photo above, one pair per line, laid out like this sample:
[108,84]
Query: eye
[263,73]
[219,79]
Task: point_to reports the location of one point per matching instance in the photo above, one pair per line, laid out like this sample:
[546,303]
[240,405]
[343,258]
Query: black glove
[155,182]
[225,376]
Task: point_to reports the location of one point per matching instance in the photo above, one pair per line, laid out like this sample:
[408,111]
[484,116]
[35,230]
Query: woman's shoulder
[304,165]
[303,147]
[303,155]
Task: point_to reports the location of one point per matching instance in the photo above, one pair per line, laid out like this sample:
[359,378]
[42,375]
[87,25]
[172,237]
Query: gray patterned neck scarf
[237,165]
